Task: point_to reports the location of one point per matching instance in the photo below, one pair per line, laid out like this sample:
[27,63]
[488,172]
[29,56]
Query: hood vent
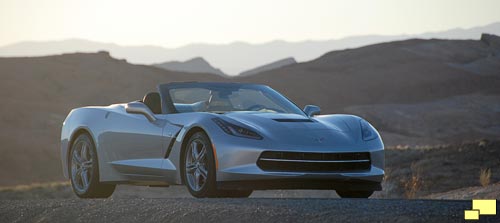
[292,120]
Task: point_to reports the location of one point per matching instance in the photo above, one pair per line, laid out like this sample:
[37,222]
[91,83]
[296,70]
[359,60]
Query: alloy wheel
[81,166]
[196,165]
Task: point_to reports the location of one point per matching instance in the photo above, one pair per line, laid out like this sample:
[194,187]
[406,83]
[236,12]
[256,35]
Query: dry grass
[35,186]
[387,185]
[414,184]
[483,143]
[485,177]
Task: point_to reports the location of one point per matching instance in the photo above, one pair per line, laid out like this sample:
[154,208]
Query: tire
[84,170]
[198,166]
[354,194]
[234,193]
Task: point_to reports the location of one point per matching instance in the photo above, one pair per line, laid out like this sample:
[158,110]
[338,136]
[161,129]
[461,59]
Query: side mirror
[140,108]
[312,110]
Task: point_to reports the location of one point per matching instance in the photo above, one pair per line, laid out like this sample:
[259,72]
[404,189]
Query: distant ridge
[232,58]
[195,65]
[491,40]
[269,66]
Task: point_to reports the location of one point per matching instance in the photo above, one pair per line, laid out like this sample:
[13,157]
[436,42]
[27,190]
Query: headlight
[235,130]
[367,131]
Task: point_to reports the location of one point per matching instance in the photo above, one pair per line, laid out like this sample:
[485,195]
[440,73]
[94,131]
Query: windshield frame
[169,108]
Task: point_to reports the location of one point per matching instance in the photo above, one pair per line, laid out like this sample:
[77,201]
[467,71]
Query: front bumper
[252,177]
[313,184]
[238,169]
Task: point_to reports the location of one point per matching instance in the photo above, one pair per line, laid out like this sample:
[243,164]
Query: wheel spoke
[84,152]
[203,172]
[77,159]
[190,168]
[197,180]
[76,173]
[194,150]
[202,153]
[87,164]
[84,176]
[191,179]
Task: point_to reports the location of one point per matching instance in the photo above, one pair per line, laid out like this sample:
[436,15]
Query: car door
[133,144]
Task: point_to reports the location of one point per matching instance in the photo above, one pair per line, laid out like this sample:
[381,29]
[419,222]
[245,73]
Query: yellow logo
[481,207]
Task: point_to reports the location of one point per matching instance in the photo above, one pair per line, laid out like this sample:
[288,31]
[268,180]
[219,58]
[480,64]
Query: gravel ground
[235,210]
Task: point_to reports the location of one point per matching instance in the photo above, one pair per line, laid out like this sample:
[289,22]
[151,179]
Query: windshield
[222,97]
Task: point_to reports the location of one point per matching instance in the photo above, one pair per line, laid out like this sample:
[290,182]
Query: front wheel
[354,194]
[85,170]
[199,166]
[234,193]
[199,172]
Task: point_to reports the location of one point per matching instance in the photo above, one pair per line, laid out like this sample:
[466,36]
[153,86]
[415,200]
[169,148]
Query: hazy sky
[176,23]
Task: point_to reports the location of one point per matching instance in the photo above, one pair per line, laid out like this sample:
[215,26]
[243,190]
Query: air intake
[314,162]
[292,120]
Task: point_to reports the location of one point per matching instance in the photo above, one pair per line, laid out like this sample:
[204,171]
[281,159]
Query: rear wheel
[354,194]
[84,170]
[199,172]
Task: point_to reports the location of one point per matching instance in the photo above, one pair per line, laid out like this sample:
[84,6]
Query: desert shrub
[414,183]
[485,177]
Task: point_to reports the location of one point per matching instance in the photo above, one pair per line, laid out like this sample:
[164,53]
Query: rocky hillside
[269,66]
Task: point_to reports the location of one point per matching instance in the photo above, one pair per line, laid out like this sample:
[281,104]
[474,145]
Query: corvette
[220,140]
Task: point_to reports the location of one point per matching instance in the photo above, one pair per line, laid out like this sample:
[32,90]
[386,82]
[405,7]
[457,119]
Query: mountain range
[232,58]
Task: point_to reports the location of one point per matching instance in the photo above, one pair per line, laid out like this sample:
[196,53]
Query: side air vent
[292,120]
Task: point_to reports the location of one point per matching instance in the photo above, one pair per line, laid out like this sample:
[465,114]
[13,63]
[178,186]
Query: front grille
[314,162]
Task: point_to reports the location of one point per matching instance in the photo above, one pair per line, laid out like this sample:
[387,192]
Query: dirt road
[235,210]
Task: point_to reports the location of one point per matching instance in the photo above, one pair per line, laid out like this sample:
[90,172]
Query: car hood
[296,129]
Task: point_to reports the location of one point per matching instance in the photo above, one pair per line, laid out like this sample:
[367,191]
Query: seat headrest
[153,101]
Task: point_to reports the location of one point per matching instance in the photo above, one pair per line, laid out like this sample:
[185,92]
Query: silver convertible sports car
[220,140]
